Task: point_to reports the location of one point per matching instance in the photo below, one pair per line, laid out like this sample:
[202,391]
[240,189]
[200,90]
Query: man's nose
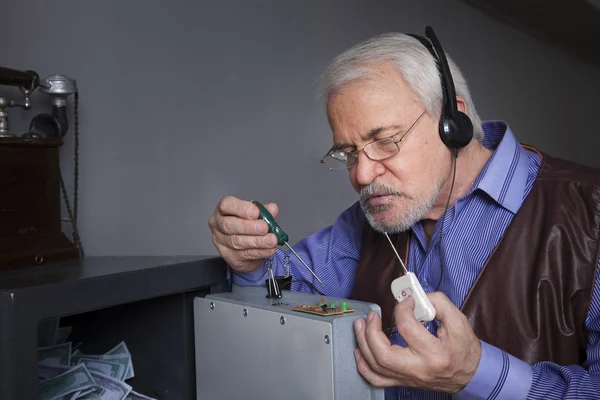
[367,170]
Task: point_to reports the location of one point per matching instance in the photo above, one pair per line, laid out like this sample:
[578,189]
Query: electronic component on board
[323,308]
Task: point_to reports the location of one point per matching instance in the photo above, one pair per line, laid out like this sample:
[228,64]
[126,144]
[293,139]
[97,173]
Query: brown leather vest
[532,295]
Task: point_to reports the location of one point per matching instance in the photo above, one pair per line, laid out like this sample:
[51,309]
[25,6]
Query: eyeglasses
[377,150]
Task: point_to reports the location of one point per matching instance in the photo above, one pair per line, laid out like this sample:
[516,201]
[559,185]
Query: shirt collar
[504,176]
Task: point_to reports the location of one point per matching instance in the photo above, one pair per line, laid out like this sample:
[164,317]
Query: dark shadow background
[183,102]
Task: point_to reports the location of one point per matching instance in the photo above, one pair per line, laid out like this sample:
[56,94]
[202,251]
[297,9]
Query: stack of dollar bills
[66,373]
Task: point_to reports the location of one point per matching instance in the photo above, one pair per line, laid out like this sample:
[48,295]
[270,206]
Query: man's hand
[445,363]
[241,238]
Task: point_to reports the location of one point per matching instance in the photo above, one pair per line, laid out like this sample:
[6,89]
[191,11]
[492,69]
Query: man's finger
[393,359]
[417,337]
[233,206]
[372,335]
[241,242]
[444,308]
[360,327]
[240,226]
[256,254]
[452,320]
[369,374]
[273,209]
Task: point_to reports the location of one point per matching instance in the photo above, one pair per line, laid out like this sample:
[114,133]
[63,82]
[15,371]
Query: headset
[456,128]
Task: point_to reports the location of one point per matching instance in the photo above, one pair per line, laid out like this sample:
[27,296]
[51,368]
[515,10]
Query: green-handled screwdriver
[282,237]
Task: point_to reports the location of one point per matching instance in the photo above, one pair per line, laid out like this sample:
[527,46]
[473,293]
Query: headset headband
[445,69]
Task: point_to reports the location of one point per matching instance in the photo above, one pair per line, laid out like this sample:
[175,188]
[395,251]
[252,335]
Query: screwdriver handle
[274,228]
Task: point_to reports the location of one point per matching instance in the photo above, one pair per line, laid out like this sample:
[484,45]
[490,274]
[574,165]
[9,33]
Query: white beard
[415,210]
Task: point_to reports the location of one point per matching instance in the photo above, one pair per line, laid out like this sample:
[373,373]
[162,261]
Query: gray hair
[414,63]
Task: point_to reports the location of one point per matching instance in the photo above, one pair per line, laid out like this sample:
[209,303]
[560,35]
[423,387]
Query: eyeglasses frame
[329,152]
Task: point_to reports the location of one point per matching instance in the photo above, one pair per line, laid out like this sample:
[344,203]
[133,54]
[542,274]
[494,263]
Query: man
[504,239]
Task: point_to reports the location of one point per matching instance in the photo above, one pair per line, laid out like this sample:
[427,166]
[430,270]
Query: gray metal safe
[248,346]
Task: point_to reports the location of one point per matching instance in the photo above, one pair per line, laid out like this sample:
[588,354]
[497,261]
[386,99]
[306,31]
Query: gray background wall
[182,102]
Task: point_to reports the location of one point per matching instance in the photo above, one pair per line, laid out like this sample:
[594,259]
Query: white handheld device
[408,285]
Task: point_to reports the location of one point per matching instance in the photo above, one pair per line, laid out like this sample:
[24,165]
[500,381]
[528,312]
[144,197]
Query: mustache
[378,189]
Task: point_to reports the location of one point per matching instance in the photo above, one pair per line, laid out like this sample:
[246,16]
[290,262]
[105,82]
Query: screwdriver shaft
[302,261]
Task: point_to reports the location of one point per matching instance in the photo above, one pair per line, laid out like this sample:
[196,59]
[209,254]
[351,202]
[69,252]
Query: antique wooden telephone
[30,179]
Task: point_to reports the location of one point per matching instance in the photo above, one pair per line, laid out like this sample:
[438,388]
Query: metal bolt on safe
[326,339]
[212,305]
[282,320]
[245,312]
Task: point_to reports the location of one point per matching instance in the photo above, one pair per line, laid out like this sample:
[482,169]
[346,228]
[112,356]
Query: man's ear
[461,104]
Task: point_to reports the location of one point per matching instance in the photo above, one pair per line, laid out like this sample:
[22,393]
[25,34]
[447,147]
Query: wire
[72,213]
[76,239]
[443,218]
[76,160]
[303,281]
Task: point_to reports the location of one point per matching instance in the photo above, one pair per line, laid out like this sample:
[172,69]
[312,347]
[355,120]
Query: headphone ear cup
[456,132]
[465,128]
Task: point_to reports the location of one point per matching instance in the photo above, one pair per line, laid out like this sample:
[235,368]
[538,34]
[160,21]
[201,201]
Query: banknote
[76,395]
[62,334]
[66,373]
[74,380]
[48,371]
[72,396]
[136,396]
[84,392]
[46,332]
[121,359]
[107,388]
[113,369]
[121,348]
[59,354]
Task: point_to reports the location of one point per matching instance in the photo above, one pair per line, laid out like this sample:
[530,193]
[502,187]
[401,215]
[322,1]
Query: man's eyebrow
[369,135]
